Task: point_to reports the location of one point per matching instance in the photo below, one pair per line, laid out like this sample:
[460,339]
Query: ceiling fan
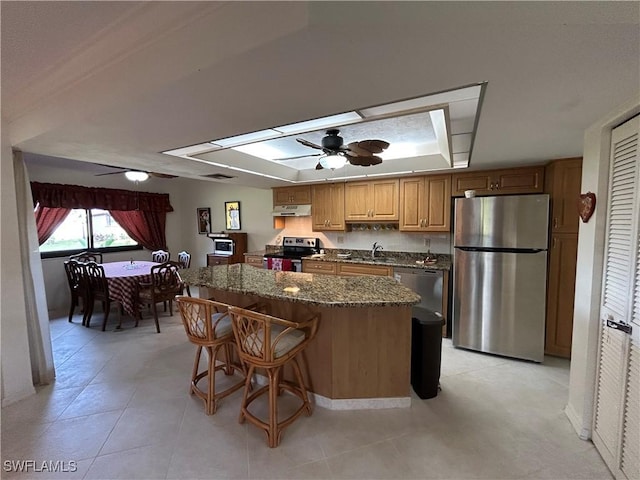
[335,154]
[135,175]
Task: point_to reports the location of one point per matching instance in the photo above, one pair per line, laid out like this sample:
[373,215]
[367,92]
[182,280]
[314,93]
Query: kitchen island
[361,356]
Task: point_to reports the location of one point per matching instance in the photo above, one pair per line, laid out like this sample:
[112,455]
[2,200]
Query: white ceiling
[118,82]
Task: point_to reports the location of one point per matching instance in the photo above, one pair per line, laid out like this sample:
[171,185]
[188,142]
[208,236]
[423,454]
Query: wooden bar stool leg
[247,387]
[194,372]
[211,404]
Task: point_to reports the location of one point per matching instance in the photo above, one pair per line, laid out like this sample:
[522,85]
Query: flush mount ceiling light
[333,161]
[136,176]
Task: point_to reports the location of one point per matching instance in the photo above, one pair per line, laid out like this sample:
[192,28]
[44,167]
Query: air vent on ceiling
[218,176]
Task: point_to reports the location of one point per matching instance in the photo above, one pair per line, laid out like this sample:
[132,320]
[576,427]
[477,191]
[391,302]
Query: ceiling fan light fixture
[333,161]
[136,176]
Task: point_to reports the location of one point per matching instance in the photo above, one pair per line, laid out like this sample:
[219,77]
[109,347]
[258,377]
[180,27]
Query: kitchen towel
[282,264]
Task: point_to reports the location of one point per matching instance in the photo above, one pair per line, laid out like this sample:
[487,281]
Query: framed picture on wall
[232,215]
[204,220]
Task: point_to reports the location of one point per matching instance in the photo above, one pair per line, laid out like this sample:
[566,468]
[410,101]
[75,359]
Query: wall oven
[223,246]
[290,258]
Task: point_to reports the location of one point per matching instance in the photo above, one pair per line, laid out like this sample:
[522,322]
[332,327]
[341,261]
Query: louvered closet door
[617,409]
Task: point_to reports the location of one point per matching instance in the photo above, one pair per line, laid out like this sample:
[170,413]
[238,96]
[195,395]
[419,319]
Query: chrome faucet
[374,249]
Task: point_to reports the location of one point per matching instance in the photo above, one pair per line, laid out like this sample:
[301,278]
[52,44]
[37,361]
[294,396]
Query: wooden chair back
[160,256]
[264,340]
[165,281]
[87,256]
[184,258]
[205,321]
[97,281]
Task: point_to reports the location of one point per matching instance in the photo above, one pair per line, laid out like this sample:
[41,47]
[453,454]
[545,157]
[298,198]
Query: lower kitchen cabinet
[364,269]
[213,260]
[563,252]
[314,266]
[253,260]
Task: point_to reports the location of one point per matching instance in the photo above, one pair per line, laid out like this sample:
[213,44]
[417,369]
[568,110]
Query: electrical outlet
[427,242]
[340,239]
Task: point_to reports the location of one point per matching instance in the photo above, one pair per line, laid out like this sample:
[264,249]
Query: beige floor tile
[150,462]
[495,418]
[138,427]
[100,397]
[377,461]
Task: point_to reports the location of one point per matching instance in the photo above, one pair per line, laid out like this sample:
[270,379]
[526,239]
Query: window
[93,229]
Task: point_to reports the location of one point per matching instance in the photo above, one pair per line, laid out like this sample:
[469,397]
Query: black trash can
[426,351]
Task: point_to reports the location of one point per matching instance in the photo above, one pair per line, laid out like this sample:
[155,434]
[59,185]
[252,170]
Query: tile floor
[120,409]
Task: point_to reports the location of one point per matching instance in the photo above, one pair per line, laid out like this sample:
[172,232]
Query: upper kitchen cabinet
[425,204]
[327,207]
[372,201]
[562,181]
[292,195]
[500,182]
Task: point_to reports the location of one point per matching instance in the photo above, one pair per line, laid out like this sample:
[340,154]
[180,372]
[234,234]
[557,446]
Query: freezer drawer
[499,302]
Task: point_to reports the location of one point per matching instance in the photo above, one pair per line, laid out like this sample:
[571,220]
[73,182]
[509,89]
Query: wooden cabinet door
[500,182]
[253,260]
[565,178]
[315,266]
[354,269]
[371,201]
[384,199]
[438,204]
[356,201]
[327,207]
[292,195]
[563,253]
[213,260]
[413,198]
[425,204]
[481,182]
[518,180]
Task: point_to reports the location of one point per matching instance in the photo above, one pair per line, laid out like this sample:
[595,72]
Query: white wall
[591,238]
[15,370]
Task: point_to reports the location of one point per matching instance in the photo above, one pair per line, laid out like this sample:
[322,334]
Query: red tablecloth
[123,278]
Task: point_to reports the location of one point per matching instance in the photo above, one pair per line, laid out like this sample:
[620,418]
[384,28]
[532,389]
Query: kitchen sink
[377,259]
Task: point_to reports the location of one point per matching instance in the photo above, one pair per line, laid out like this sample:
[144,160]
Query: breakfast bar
[361,355]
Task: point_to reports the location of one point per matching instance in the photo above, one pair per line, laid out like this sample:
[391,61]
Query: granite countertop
[257,253]
[391,259]
[315,289]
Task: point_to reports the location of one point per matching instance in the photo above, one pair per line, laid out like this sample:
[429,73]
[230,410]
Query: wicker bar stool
[208,326]
[268,343]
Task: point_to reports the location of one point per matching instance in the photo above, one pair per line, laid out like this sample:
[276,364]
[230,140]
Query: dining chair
[269,343]
[78,288]
[160,256]
[208,326]
[184,258]
[87,256]
[98,289]
[165,285]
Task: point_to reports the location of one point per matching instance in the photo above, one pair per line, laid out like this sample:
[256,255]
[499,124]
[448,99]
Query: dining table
[123,279]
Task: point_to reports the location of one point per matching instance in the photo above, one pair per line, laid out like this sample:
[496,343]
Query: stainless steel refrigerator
[500,274]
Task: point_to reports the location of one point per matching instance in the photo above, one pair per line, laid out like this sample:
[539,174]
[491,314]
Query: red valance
[54,195]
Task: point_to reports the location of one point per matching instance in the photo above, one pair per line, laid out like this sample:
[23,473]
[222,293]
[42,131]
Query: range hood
[292,211]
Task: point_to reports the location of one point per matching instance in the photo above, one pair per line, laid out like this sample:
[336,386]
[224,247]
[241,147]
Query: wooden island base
[360,357]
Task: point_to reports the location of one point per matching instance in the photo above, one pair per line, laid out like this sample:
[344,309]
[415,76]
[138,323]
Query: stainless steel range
[293,249]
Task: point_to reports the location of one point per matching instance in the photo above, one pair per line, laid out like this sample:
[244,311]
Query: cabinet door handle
[554,242]
[491,186]
[422,222]
[555,222]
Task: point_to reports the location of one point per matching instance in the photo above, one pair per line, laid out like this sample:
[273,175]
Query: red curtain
[142,215]
[75,196]
[146,228]
[48,219]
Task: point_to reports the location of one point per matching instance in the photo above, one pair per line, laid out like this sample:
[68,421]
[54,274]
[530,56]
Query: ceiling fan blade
[371,146]
[294,158]
[162,175]
[364,161]
[319,166]
[307,143]
[110,173]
